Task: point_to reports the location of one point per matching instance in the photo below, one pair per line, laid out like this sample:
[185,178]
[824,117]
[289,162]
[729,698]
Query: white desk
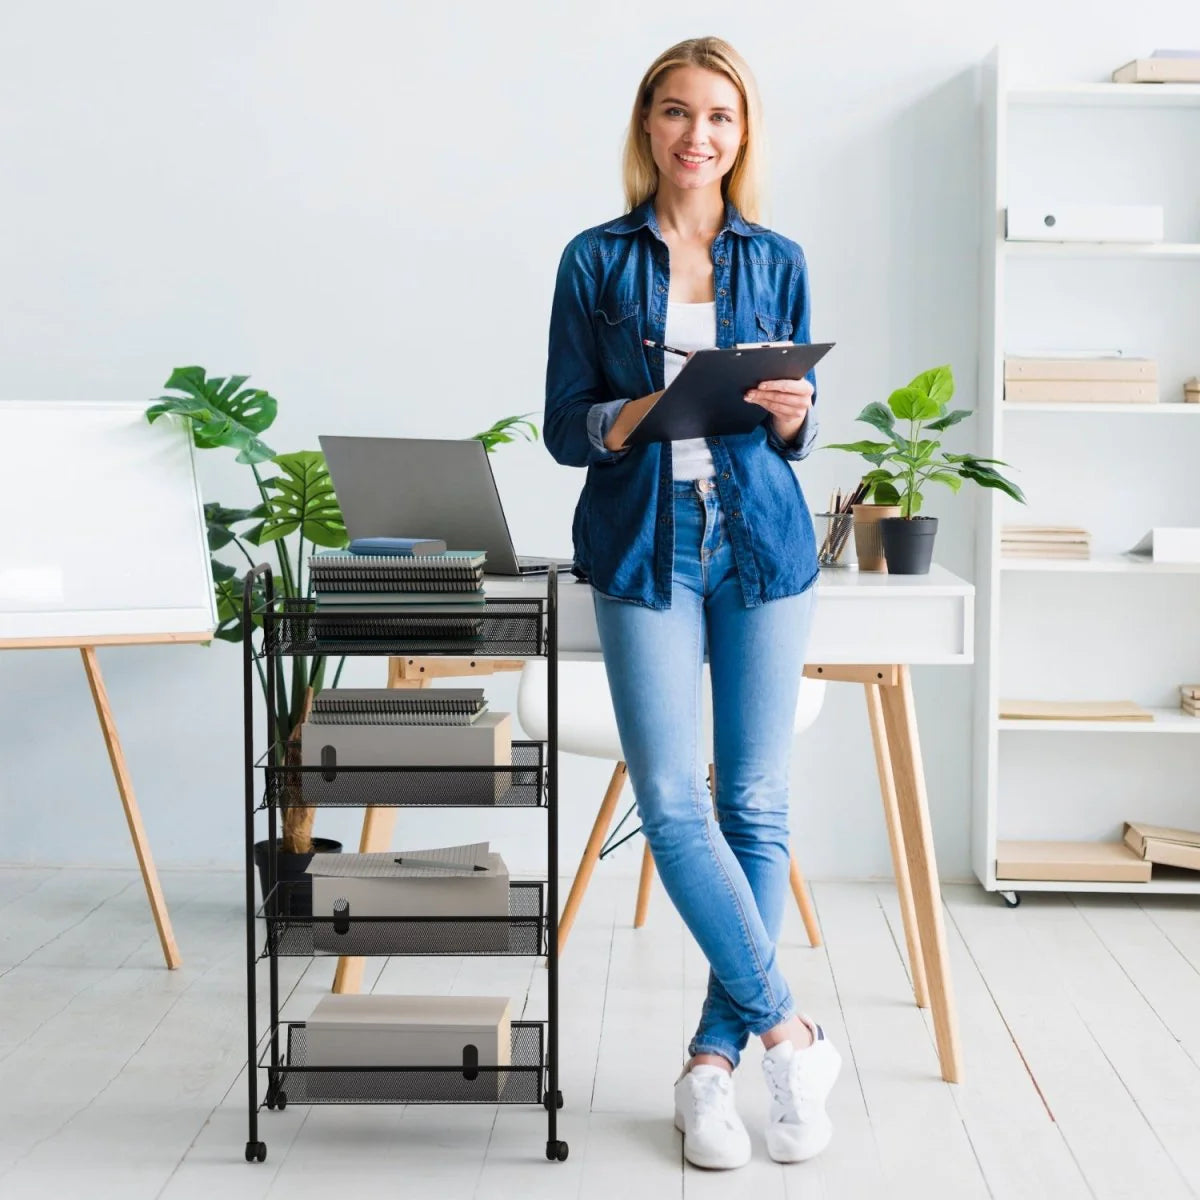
[868,629]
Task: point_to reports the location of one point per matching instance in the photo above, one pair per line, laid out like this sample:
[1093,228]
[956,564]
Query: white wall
[318,194]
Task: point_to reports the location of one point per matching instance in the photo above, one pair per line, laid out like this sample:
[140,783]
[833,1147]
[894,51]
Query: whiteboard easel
[115,553]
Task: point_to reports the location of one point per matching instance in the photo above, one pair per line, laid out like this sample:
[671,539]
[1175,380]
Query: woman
[700,545]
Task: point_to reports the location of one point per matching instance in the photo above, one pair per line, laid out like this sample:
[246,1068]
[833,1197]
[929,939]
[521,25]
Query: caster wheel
[1012,899]
[281,1101]
[558,1100]
[256,1152]
[556,1151]
[270,1100]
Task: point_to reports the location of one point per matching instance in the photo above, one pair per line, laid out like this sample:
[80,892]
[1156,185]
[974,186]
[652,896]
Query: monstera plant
[296,512]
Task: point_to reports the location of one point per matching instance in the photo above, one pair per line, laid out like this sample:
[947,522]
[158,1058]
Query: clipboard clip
[761,345]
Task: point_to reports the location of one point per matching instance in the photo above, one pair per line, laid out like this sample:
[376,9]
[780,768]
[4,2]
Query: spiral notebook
[335,566]
[398,706]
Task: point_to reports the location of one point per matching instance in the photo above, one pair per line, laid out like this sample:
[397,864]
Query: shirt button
[716,441]
[661,288]
[724,474]
[737,512]
[724,320]
[721,292]
[663,519]
[721,261]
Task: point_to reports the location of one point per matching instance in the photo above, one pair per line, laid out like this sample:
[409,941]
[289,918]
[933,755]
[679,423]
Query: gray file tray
[705,400]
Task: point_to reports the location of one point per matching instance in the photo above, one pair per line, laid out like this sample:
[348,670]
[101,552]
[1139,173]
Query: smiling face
[696,123]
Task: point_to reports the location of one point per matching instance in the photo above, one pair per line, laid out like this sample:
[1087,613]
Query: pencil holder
[833,534]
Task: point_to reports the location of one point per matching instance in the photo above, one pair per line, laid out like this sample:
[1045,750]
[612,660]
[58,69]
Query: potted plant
[910,458]
[295,502]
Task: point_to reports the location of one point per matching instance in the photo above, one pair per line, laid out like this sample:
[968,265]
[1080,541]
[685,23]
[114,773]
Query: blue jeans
[728,875]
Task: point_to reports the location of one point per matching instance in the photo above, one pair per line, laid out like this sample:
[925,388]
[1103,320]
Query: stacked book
[350,587]
[1080,378]
[1163,66]
[1189,699]
[406,727]
[1045,541]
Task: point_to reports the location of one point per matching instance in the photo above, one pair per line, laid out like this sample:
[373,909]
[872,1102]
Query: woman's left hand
[788,402]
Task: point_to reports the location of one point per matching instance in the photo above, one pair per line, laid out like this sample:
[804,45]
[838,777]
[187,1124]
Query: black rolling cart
[284,925]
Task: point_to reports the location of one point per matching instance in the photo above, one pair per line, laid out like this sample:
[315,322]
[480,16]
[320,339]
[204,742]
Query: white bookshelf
[1110,626]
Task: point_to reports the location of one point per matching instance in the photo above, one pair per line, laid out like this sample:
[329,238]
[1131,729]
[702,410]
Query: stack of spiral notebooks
[365,596]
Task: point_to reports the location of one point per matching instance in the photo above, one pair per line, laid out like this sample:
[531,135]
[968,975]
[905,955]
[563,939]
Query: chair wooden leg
[591,853]
[891,812]
[643,896]
[804,902]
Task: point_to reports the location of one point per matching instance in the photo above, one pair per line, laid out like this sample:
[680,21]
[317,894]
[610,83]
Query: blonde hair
[742,185]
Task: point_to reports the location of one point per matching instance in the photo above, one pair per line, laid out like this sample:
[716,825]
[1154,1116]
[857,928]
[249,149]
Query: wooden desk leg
[379,825]
[891,812]
[133,816]
[900,724]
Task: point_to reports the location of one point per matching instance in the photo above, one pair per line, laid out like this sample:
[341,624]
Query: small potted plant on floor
[910,458]
[296,501]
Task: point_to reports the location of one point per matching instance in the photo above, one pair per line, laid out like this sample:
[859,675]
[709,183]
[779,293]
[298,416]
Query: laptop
[425,487]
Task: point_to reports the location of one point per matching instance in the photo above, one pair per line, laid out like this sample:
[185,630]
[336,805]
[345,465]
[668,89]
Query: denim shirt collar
[645,217]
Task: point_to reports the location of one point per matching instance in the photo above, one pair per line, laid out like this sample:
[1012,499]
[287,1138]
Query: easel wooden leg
[591,854]
[141,846]
[900,724]
[891,812]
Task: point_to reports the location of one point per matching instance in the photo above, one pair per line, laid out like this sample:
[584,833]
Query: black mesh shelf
[518,1083]
[520,933]
[517,786]
[504,626]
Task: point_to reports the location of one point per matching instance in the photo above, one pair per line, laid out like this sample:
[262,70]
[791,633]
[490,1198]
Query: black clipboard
[705,398]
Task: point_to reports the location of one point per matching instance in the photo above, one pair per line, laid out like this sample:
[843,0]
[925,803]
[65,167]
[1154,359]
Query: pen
[665,348]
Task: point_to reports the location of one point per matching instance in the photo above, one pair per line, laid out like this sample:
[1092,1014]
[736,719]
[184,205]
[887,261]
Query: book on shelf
[1086,862]
[1164,845]
[1045,541]
[1079,391]
[1099,368]
[1160,68]
[1191,390]
[1073,710]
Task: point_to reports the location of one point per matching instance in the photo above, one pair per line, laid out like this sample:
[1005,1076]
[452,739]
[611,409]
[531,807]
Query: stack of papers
[1073,710]
[1045,541]
[1189,699]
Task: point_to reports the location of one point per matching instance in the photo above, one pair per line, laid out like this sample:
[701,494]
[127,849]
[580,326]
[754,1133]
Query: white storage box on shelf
[1084,223]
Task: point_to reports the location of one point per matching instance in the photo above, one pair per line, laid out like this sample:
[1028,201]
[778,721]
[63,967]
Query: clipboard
[705,398]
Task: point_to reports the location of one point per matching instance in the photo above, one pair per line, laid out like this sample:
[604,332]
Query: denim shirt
[611,292]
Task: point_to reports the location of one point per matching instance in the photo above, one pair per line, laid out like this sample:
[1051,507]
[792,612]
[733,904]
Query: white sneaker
[798,1082]
[705,1113]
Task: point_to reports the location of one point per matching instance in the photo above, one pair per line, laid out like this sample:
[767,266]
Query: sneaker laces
[710,1092]
[787,1086]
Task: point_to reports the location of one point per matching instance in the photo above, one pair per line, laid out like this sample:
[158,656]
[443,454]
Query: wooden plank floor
[1079,1028]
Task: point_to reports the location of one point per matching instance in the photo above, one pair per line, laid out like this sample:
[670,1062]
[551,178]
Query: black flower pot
[908,544]
[295,890]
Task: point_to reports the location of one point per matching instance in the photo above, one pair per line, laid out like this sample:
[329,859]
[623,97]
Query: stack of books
[1045,541]
[1082,377]
[356,586]
[1163,66]
[1191,390]
[1189,699]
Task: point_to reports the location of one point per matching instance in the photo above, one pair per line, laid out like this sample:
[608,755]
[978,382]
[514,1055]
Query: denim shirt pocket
[617,327]
[772,329]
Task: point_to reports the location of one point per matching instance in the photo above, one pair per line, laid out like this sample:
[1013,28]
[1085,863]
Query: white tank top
[689,327]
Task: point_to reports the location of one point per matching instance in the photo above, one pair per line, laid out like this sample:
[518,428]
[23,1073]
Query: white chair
[587,725]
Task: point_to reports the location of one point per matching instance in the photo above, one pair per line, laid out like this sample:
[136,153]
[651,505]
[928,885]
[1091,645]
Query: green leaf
[867,448]
[221,571]
[986,477]
[503,430]
[229,591]
[304,499]
[220,521]
[951,418]
[925,449]
[970,458]
[884,492]
[936,384]
[219,413]
[952,481]
[911,404]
